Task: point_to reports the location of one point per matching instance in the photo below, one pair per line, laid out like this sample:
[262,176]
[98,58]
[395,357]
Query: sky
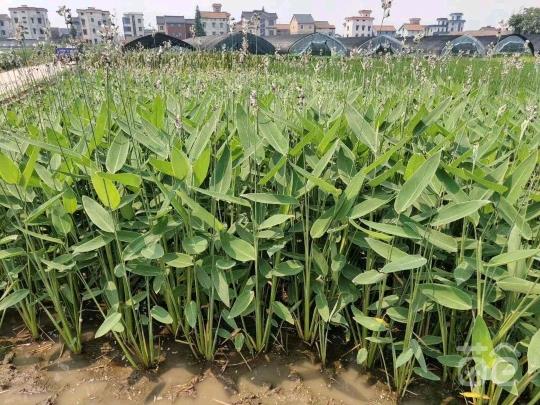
[478,13]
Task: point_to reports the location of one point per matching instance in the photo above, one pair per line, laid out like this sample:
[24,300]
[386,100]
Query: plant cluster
[387,204]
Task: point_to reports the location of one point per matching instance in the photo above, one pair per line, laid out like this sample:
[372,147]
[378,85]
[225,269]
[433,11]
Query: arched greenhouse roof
[465,44]
[232,42]
[318,44]
[381,44]
[155,41]
[514,43]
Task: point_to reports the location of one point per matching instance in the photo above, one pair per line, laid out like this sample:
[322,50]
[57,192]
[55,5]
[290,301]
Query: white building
[387,30]
[5,26]
[259,22]
[411,29]
[444,26]
[34,22]
[360,25]
[133,25]
[92,24]
[215,22]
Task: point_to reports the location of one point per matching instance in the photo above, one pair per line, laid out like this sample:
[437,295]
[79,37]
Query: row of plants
[388,204]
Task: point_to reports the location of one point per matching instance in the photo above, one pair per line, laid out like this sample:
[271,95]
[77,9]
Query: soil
[44,373]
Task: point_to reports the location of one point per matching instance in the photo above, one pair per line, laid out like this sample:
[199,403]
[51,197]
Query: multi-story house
[259,22]
[215,22]
[360,25]
[325,27]
[33,21]
[175,26]
[302,24]
[388,30]
[133,24]
[283,29]
[411,29]
[93,23]
[5,26]
[444,26]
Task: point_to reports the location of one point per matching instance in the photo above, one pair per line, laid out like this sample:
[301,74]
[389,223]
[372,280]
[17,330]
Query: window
[213,25]
[85,32]
[39,20]
[1,23]
[369,28]
[139,21]
[301,26]
[363,27]
[3,33]
[32,19]
[357,27]
[91,19]
[220,25]
[16,19]
[93,30]
[95,40]
[83,22]
[35,32]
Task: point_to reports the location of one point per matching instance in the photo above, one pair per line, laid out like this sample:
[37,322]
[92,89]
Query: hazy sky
[477,12]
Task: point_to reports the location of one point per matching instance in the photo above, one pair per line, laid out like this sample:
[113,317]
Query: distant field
[386,206]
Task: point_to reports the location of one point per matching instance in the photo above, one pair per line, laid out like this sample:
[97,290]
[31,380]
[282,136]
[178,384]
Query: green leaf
[106,191]
[161,315]
[223,173]
[362,129]
[274,220]
[181,261]
[191,313]
[109,324]
[117,153]
[283,312]
[179,164]
[482,345]
[447,296]
[275,199]
[533,353]
[201,166]
[518,285]
[454,212]
[9,171]
[404,357]
[271,133]
[321,304]
[404,263]
[413,188]
[98,215]
[195,245]
[513,256]
[236,248]
[520,177]
[368,278]
[370,323]
[241,303]
[361,356]
[428,375]
[222,287]
[13,299]
[288,269]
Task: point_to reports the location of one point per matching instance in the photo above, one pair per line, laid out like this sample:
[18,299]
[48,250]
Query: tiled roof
[282,26]
[385,28]
[413,27]
[324,25]
[213,14]
[303,18]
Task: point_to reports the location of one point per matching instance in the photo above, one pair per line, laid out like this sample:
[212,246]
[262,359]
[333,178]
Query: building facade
[387,30]
[283,29]
[259,22]
[215,22]
[360,25]
[33,21]
[411,29]
[445,26]
[133,25]
[302,24]
[5,26]
[175,26]
[93,22]
[325,27]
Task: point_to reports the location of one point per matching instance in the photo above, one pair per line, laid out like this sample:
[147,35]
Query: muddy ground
[43,373]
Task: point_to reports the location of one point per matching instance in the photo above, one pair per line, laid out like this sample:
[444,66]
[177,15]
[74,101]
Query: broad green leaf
[368,278]
[191,313]
[94,244]
[117,153]
[9,171]
[181,261]
[288,269]
[513,256]
[274,199]
[161,315]
[201,166]
[241,303]
[404,357]
[447,296]
[13,299]
[274,220]
[236,248]
[272,134]
[454,212]
[110,322]
[404,263]
[533,353]
[195,245]
[98,215]
[518,285]
[283,312]
[321,303]
[223,173]
[179,164]
[413,188]
[482,345]
[362,129]
[370,323]
[520,177]
[361,356]
[106,191]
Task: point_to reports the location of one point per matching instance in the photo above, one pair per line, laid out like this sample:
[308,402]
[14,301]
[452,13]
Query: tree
[199,29]
[527,21]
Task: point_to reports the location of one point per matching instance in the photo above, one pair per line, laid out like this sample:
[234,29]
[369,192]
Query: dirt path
[16,81]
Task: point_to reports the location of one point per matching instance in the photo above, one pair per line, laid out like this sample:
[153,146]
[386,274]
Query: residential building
[60,34]
[444,26]
[282,29]
[175,26]
[325,27]
[34,21]
[259,22]
[93,23]
[215,22]
[133,24]
[388,30]
[411,29]
[360,25]
[302,24]
[5,26]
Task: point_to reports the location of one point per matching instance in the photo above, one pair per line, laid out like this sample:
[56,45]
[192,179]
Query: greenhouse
[465,45]
[233,42]
[514,44]
[382,44]
[318,44]
[155,41]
